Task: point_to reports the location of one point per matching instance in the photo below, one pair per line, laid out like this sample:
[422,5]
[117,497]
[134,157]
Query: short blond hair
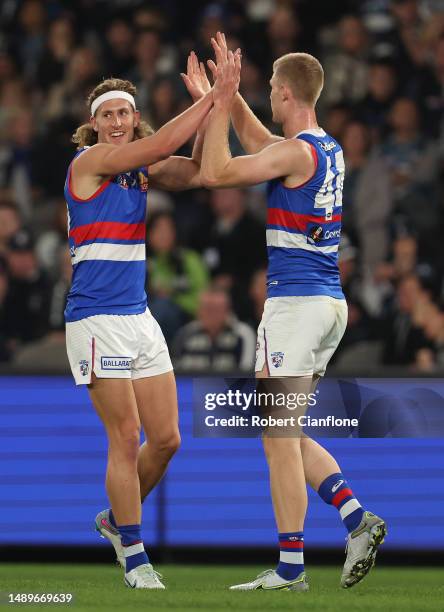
[85,134]
[303,74]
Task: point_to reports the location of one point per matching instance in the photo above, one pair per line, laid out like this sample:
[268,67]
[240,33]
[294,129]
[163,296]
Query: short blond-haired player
[114,344]
[305,313]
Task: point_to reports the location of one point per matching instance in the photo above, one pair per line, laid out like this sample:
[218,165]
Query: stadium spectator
[49,242]
[148,56]
[217,341]
[5,351]
[66,100]
[367,197]
[434,331]
[431,95]
[26,303]
[60,43]
[347,70]
[252,89]
[413,162]
[118,47]
[164,102]
[9,223]
[375,107]
[176,275]
[18,161]
[360,326]
[235,244]
[407,39]
[403,338]
[257,294]
[59,291]
[29,37]
[336,118]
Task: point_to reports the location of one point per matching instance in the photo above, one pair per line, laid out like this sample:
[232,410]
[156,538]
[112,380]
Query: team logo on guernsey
[84,367]
[116,363]
[143,181]
[315,234]
[122,181]
[327,147]
[277,359]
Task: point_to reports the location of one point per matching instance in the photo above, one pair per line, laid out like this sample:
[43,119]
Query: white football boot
[106,530]
[270,580]
[361,549]
[144,577]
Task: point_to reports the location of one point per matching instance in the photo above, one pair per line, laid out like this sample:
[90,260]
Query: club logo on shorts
[116,363]
[277,359]
[84,367]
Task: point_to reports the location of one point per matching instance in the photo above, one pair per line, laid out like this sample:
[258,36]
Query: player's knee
[125,442]
[167,445]
[280,448]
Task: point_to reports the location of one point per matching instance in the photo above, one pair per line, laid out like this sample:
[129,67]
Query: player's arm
[180,173]
[218,169]
[252,133]
[279,159]
[175,174]
[107,159]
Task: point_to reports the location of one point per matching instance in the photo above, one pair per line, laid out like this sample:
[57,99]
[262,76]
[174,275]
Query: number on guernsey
[330,194]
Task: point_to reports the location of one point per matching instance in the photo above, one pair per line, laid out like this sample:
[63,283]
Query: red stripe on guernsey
[340,496]
[132,543]
[108,229]
[102,187]
[286,545]
[278,216]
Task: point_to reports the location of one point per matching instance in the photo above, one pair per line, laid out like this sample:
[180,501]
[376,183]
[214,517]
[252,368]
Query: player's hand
[220,50]
[196,80]
[226,71]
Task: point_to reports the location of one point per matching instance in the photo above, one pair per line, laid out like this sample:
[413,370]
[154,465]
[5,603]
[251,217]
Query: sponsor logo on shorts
[84,367]
[277,358]
[115,363]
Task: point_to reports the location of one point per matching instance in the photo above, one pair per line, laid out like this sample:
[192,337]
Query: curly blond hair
[85,136]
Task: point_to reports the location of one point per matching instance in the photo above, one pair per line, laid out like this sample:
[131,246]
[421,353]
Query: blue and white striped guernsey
[107,244]
[304,225]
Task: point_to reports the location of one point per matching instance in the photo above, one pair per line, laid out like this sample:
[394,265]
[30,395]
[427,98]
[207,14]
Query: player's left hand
[196,80]
[226,71]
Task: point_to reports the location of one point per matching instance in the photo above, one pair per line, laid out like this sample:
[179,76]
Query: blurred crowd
[383,101]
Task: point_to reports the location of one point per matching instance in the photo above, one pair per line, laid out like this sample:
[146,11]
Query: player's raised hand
[226,70]
[196,80]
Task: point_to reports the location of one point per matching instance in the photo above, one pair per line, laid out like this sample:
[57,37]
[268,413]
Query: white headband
[112,95]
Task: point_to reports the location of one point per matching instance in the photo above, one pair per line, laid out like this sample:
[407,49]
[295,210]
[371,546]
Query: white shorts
[298,335]
[116,346]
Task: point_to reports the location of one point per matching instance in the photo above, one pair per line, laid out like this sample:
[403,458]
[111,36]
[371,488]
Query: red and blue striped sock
[291,558]
[133,548]
[335,491]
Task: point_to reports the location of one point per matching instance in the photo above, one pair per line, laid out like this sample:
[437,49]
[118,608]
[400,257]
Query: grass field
[197,587]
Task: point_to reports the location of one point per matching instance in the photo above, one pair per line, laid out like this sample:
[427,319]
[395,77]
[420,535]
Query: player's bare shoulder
[300,163]
[90,163]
